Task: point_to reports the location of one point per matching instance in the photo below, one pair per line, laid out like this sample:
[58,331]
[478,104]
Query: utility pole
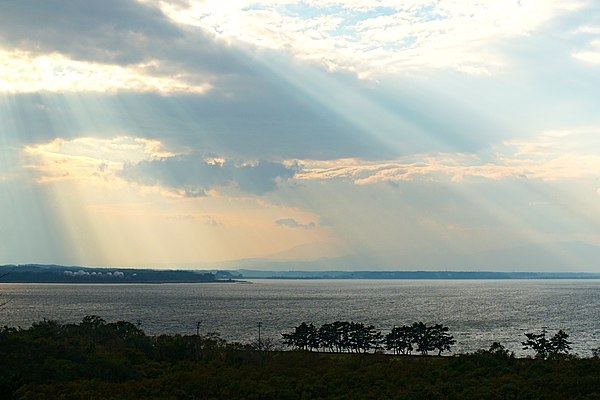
[259,341]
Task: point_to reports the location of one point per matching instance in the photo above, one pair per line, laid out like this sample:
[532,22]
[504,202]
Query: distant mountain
[353,262]
[548,257]
[307,252]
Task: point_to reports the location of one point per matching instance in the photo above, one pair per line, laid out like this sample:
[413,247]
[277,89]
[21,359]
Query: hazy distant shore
[33,273]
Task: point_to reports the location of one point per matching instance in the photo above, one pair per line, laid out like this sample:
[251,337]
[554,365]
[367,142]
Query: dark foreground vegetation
[99,360]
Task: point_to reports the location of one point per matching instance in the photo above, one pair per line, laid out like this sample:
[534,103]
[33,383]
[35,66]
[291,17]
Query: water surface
[477,312]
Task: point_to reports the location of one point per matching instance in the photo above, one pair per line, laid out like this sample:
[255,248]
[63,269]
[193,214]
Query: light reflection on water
[477,312]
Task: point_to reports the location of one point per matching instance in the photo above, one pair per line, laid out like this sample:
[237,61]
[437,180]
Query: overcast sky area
[402,135]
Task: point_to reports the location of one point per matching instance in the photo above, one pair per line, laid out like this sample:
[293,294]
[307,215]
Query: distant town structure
[115,274]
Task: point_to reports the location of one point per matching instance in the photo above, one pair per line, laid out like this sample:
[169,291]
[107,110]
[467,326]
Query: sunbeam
[193,143]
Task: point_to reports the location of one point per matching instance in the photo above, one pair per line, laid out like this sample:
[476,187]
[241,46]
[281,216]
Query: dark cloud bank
[255,110]
[195,176]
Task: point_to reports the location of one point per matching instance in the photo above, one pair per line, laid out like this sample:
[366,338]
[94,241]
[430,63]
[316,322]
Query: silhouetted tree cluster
[555,346]
[353,337]
[420,337]
[339,336]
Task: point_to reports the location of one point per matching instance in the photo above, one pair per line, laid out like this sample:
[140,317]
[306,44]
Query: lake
[477,312]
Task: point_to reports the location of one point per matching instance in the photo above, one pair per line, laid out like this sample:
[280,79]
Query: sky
[332,134]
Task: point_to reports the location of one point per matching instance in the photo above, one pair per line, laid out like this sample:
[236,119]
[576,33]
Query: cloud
[206,220]
[114,31]
[25,73]
[115,45]
[377,38]
[591,54]
[193,175]
[256,106]
[173,47]
[148,163]
[88,158]
[210,221]
[292,223]
[180,217]
[243,101]
[587,36]
[552,155]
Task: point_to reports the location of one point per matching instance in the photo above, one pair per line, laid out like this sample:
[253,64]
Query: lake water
[477,312]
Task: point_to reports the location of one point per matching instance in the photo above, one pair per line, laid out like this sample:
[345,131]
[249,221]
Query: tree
[92,322]
[559,343]
[266,344]
[293,339]
[423,338]
[376,339]
[441,339]
[46,328]
[126,331]
[538,343]
[362,338]
[304,337]
[400,340]
[312,340]
[499,350]
[426,338]
[343,334]
[544,347]
[328,337]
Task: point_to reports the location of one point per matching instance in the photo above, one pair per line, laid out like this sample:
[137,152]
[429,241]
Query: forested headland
[83,275]
[117,360]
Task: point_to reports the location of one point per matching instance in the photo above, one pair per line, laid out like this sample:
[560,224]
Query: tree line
[354,337]
[338,336]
